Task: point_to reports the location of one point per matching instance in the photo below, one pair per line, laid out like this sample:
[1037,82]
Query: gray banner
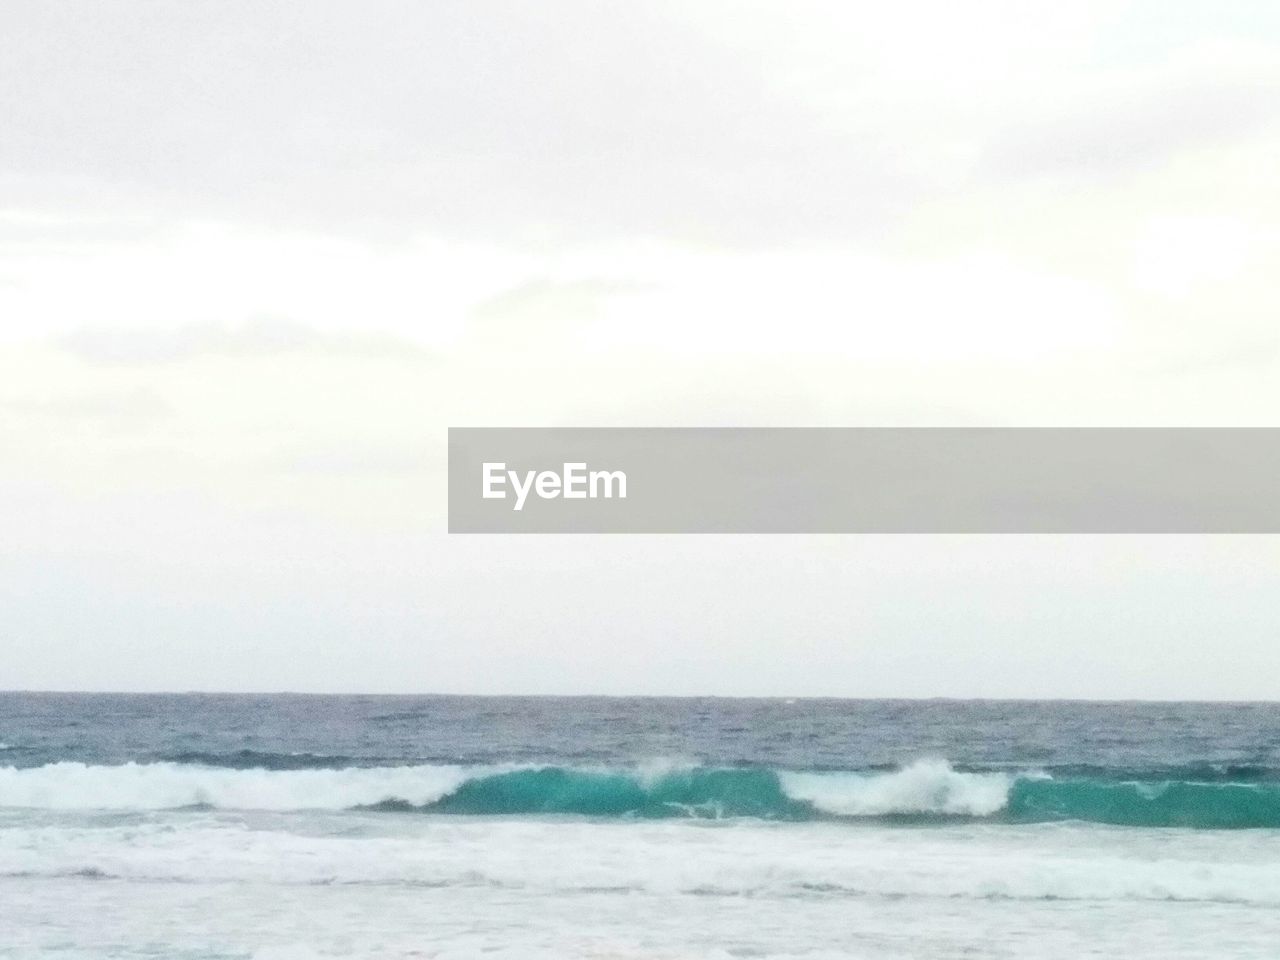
[891,480]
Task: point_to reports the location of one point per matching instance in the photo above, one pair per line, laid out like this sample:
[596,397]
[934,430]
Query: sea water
[201,826]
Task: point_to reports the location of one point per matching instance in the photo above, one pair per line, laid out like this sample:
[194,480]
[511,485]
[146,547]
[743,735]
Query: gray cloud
[103,407]
[1116,132]
[252,339]
[425,461]
[579,119]
[457,117]
[540,310]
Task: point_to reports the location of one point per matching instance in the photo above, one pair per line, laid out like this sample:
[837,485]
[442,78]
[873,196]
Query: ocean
[289,826]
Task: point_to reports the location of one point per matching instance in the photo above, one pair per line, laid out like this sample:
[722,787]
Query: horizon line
[634,696]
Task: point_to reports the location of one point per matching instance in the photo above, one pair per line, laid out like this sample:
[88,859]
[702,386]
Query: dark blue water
[295,731]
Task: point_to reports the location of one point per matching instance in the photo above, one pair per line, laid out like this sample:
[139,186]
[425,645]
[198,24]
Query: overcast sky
[256,257]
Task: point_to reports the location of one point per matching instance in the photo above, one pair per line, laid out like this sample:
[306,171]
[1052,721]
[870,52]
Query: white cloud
[256,257]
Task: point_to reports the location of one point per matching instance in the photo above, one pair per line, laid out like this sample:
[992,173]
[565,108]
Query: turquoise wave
[919,794]
[924,792]
[1169,803]
[712,793]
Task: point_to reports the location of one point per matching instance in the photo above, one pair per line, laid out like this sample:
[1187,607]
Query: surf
[921,793]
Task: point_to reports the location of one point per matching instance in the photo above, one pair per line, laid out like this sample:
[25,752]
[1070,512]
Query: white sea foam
[746,859]
[292,884]
[161,786]
[927,786]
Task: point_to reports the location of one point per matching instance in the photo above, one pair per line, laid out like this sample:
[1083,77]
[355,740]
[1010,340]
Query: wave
[249,759]
[924,789]
[923,792]
[70,785]
[1169,803]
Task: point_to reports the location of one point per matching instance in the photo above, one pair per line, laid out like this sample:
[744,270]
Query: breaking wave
[923,792]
